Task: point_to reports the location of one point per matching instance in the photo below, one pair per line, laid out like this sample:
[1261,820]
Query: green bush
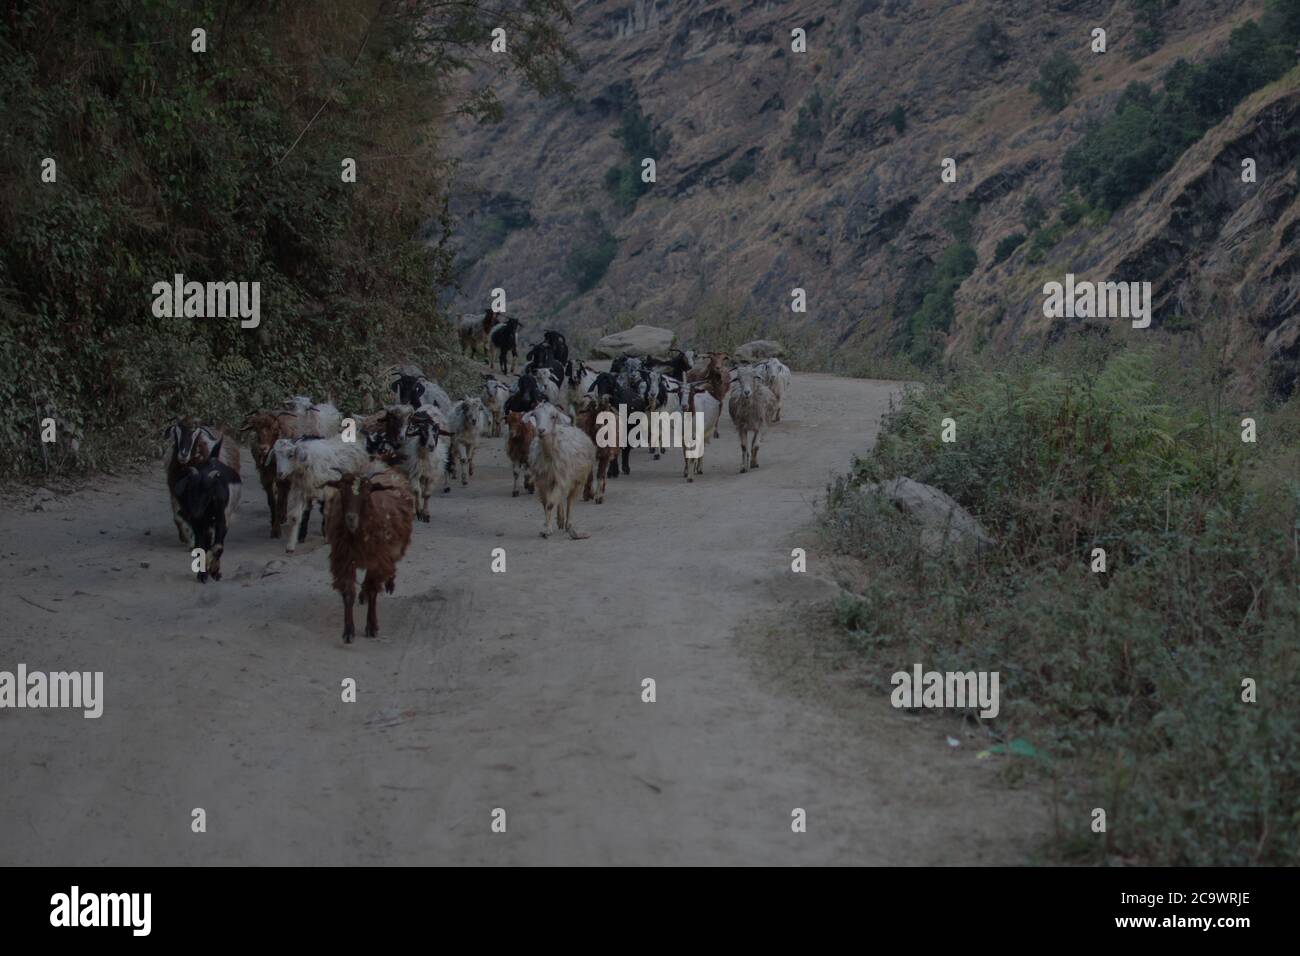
[1149,18]
[741,169]
[641,140]
[936,312]
[1126,683]
[1032,213]
[810,127]
[991,43]
[589,259]
[1057,79]
[1008,245]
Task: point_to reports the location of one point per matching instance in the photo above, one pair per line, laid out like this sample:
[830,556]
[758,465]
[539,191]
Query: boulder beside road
[760,349]
[638,340]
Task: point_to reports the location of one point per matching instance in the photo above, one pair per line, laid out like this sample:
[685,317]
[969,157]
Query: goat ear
[216,449]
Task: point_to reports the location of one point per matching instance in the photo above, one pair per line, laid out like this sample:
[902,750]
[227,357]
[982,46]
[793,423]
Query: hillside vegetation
[227,165]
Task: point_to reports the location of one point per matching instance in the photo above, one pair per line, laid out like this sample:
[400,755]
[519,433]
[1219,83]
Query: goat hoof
[390,585]
[514,494]
[370,633]
[545,534]
[347,637]
[216,575]
[446,491]
[203,577]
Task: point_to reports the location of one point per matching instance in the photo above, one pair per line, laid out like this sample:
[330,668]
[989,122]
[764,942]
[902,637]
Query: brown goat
[266,428]
[716,373]
[369,528]
[518,439]
[191,444]
[588,422]
[474,331]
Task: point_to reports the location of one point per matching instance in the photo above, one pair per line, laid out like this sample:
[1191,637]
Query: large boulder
[945,525]
[760,349]
[638,340]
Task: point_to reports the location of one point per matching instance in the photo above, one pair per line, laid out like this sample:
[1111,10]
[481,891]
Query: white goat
[576,385]
[323,420]
[307,464]
[775,374]
[424,456]
[494,400]
[749,403]
[547,385]
[466,423]
[692,397]
[560,459]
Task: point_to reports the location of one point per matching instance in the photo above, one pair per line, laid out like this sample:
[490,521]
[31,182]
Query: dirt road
[519,691]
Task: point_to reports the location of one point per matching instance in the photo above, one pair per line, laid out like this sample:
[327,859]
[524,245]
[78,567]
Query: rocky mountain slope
[820,170]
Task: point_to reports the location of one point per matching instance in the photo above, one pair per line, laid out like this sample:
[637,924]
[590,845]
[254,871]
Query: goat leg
[575,534]
[269,488]
[302,521]
[372,611]
[349,597]
[182,526]
[218,547]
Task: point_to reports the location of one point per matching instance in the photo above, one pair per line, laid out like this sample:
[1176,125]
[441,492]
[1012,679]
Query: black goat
[677,366]
[505,338]
[541,357]
[208,496]
[608,385]
[526,397]
[559,347]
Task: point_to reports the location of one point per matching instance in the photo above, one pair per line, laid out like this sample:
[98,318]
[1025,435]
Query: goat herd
[372,486]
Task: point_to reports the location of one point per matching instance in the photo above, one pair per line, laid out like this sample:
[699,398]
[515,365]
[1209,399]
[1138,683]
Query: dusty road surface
[519,691]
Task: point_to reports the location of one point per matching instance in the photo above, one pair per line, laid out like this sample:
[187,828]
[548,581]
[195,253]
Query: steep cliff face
[820,170]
